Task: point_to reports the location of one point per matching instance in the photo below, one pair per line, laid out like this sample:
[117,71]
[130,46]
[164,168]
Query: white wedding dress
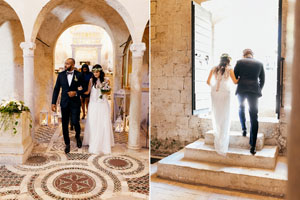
[98,133]
[220,99]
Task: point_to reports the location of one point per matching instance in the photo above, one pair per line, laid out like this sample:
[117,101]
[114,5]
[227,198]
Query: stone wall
[172,123]
[11,59]
[43,75]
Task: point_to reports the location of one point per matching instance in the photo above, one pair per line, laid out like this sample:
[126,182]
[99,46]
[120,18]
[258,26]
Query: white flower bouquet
[104,88]
[8,110]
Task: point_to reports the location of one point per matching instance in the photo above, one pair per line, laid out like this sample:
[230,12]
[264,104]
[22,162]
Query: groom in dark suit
[251,76]
[70,81]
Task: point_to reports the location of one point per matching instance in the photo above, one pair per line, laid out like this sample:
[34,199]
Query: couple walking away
[98,133]
[249,76]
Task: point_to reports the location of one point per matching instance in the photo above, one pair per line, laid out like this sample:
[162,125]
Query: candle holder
[44,118]
[54,118]
[119,125]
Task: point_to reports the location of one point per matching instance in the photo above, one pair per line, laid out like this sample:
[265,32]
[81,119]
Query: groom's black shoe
[252,150]
[79,143]
[244,133]
[67,149]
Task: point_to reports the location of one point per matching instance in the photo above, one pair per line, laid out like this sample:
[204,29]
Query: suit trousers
[253,110]
[75,117]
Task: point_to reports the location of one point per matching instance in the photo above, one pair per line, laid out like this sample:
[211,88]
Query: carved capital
[138,49]
[28,48]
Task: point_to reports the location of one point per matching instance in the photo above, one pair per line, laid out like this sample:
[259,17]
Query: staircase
[198,163]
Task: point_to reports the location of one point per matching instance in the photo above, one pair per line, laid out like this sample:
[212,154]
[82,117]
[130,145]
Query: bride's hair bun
[225,56]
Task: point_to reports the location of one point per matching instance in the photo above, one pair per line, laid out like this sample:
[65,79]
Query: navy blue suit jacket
[252,76]
[62,82]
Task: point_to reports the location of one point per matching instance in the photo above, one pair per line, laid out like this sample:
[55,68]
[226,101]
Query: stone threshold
[264,181]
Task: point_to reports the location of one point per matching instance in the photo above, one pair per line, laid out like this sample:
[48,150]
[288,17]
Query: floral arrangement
[105,88]
[10,112]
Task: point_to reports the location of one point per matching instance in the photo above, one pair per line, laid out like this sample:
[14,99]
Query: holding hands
[72,93]
[53,107]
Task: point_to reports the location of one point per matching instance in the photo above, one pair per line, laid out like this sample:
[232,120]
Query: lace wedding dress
[98,133]
[220,99]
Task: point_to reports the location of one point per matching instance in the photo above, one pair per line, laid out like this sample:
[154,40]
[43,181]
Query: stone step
[267,126]
[265,158]
[237,140]
[264,181]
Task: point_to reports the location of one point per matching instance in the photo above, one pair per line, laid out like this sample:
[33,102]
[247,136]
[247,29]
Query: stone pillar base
[15,149]
[134,147]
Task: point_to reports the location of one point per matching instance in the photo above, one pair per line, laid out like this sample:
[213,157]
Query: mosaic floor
[51,174]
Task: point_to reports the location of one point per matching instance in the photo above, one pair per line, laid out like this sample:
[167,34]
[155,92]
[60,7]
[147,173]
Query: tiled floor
[162,189]
[51,174]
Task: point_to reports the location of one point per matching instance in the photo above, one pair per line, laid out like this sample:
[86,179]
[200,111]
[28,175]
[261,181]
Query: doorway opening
[87,44]
[237,25]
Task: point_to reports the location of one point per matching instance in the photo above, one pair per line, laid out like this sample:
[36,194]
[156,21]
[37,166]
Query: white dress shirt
[70,77]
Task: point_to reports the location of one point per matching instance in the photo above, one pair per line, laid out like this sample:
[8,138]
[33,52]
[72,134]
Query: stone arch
[113,5]
[124,13]
[108,31]
[80,23]
[55,18]
[11,55]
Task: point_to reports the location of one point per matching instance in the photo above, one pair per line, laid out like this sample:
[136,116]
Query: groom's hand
[53,107]
[72,94]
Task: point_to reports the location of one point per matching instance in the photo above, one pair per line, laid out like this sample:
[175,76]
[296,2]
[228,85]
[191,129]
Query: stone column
[28,56]
[118,65]
[73,52]
[99,54]
[137,50]
[294,126]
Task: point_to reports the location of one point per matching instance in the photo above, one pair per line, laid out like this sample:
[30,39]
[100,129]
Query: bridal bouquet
[105,89]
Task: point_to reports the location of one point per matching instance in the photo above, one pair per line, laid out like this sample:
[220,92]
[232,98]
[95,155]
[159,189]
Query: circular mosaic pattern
[118,163]
[117,182]
[37,160]
[139,169]
[60,146]
[74,183]
[55,157]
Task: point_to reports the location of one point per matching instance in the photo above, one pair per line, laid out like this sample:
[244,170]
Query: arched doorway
[231,28]
[87,44]
[55,17]
[127,70]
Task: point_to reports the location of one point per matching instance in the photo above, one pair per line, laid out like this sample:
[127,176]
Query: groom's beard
[70,68]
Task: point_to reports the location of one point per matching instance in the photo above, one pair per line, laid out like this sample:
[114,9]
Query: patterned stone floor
[51,174]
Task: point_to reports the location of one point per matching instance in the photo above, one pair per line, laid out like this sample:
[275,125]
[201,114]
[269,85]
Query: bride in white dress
[98,133]
[220,99]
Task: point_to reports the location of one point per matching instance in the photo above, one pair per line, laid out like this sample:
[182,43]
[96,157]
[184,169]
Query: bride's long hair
[98,67]
[224,62]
